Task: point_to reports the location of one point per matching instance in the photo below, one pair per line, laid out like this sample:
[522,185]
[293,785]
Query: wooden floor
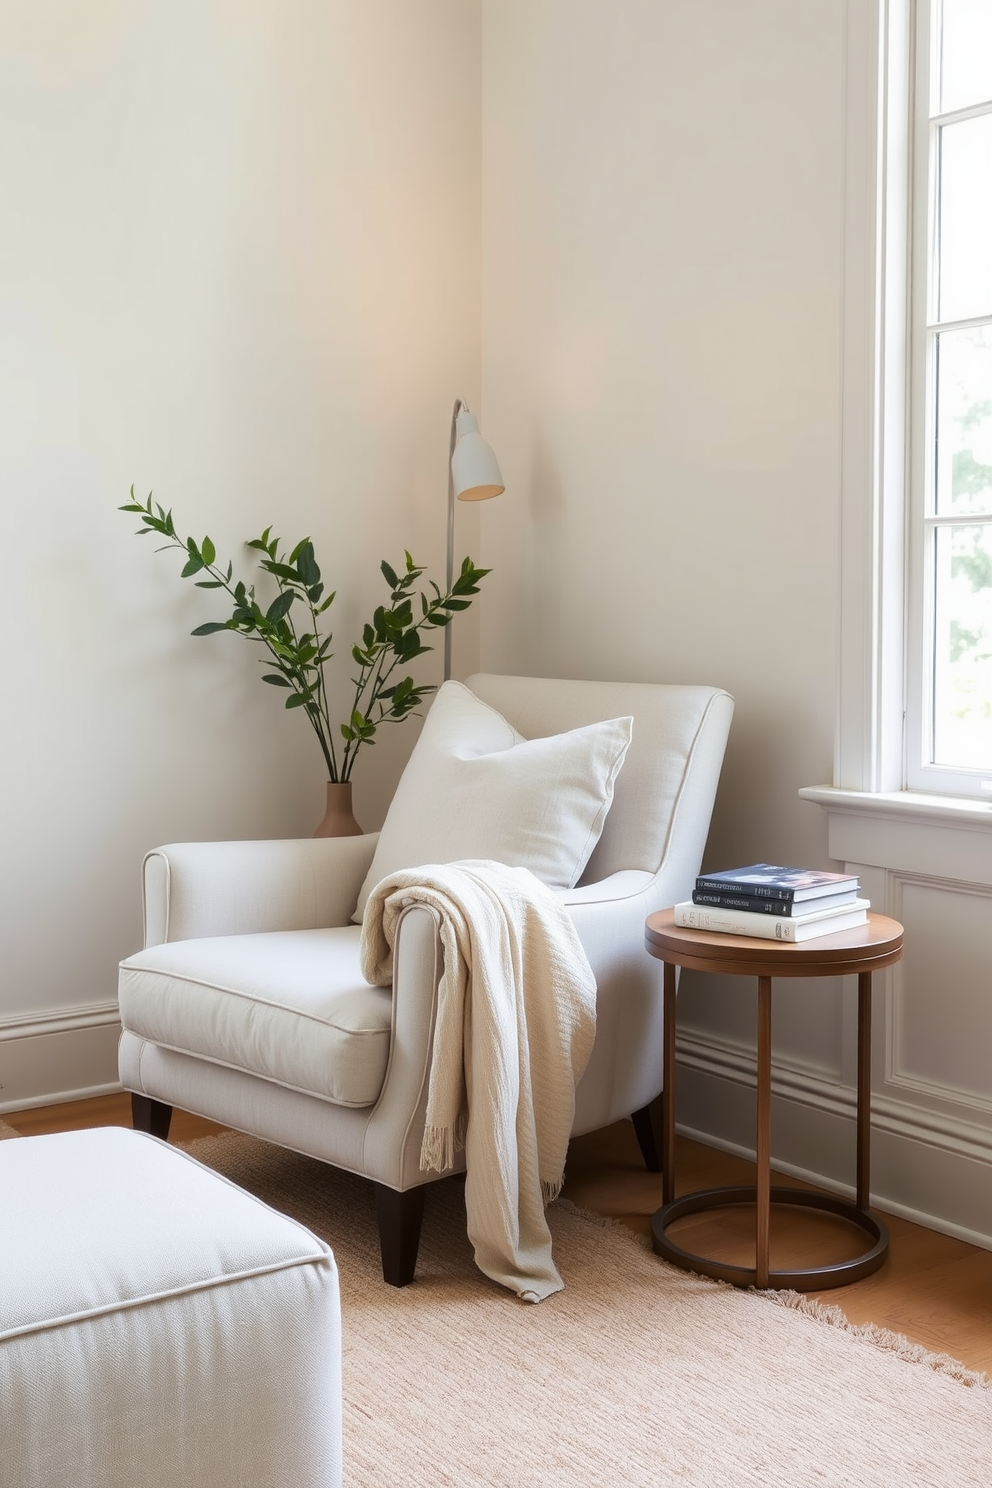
[102,1110]
[935,1290]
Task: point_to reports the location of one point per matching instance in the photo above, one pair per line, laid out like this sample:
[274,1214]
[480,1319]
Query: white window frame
[869,751]
[920,773]
[876,511]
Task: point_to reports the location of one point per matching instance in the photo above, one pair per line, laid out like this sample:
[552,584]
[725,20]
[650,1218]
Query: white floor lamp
[473,475]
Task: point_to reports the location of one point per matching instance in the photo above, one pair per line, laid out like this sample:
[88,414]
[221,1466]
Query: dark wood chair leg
[152,1116]
[400,1218]
[646,1126]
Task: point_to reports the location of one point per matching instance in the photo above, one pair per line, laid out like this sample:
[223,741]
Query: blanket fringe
[437,1150]
[550,1190]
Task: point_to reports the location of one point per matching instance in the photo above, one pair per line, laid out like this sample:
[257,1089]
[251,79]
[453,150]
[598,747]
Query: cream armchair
[248,1006]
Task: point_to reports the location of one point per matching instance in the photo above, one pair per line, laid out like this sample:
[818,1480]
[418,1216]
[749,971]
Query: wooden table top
[867,947]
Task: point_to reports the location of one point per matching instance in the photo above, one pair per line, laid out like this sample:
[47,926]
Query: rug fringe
[882,1338]
[820,1312]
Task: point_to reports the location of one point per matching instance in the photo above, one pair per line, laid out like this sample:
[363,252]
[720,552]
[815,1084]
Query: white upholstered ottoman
[159,1327]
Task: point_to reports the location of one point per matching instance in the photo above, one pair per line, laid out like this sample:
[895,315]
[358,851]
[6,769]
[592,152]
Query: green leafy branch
[393,639]
[389,642]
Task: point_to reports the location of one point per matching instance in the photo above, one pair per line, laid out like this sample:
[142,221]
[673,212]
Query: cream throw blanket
[516,1019]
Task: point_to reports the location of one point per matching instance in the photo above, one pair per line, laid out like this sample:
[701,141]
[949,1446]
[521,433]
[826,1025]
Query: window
[949,672]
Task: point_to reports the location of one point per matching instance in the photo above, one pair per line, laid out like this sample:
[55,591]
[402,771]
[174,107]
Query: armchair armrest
[196,889]
[619,904]
[622,885]
[609,915]
[625,1072]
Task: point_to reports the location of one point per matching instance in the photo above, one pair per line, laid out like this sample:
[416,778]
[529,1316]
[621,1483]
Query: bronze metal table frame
[860,951]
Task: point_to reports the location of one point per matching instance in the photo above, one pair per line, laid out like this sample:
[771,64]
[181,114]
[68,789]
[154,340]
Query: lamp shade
[475,472]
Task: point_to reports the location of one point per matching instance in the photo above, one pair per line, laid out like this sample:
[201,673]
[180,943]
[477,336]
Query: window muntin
[963,409]
[963,70]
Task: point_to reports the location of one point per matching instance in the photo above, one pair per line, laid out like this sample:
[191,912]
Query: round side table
[860,951]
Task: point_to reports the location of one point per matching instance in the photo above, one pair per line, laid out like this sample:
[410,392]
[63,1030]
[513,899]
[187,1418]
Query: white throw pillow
[475,788]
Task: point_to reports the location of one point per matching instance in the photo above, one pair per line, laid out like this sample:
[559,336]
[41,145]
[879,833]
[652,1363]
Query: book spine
[771,927]
[727,922]
[751,890]
[727,899]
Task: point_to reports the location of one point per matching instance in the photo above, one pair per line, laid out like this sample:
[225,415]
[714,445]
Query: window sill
[908,832]
[909,806]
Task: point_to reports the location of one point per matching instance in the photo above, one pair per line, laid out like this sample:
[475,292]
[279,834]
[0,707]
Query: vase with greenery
[291,630]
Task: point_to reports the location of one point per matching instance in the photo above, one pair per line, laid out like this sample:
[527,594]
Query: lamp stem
[449,571]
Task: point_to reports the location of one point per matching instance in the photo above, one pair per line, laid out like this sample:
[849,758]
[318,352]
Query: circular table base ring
[818,1278]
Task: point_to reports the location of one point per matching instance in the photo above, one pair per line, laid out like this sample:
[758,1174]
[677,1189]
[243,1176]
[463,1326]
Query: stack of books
[774,903]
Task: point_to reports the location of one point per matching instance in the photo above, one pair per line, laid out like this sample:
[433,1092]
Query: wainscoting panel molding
[943,983]
[928,863]
[933,1169]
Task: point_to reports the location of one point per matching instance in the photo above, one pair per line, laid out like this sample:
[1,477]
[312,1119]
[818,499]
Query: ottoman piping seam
[322,1258]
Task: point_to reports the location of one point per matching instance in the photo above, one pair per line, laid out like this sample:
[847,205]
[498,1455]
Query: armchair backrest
[672,767]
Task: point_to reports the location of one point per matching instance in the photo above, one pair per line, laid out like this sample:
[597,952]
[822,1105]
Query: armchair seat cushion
[290,1006]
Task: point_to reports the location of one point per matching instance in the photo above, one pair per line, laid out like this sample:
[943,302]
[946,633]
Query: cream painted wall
[245,259]
[663,210]
[679,260]
[239,265]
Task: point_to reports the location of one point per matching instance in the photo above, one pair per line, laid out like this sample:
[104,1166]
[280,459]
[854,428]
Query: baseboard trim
[927,1167]
[810,1089]
[60,1020]
[843,1190]
[63,1054]
[60,1097]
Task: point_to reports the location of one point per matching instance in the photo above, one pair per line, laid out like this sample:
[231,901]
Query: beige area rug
[637,1374]
[7,1131]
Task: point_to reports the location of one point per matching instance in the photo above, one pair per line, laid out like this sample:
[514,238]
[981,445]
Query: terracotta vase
[339,820]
